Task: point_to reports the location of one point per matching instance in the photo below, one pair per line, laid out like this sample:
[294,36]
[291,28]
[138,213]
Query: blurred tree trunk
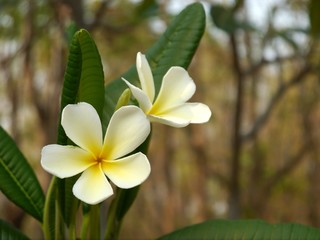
[198,144]
[308,105]
[313,175]
[255,196]
[236,145]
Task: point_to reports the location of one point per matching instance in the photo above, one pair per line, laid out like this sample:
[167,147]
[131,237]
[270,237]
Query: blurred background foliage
[257,67]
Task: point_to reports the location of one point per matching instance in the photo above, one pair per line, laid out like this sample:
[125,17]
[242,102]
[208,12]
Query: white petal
[201,112]
[82,125]
[128,128]
[183,115]
[142,98]
[92,187]
[177,87]
[145,76]
[65,161]
[179,116]
[128,172]
[169,120]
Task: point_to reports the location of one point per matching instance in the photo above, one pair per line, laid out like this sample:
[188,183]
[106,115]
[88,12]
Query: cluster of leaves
[84,82]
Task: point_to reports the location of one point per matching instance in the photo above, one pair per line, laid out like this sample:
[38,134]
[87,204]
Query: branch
[264,117]
[6,61]
[99,14]
[77,11]
[292,163]
[235,191]
[263,62]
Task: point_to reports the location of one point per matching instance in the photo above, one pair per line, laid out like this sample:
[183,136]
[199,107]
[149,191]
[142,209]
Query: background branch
[264,117]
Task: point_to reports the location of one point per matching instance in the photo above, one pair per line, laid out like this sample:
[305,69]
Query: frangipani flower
[96,158]
[170,107]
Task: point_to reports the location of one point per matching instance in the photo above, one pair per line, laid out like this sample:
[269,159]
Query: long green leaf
[83,82]
[8,232]
[66,201]
[175,47]
[17,179]
[84,78]
[244,229]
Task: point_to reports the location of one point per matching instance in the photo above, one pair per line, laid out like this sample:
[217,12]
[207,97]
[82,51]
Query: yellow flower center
[99,160]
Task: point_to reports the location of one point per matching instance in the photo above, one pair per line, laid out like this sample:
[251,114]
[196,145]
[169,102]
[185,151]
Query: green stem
[51,219]
[113,223]
[85,221]
[94,221]
[118,208]
[57,224]
[72,231]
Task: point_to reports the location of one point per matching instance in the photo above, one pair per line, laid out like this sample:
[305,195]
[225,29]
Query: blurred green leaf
[7,232]
[223,17]
[147,8]
[18,180]
[244,229]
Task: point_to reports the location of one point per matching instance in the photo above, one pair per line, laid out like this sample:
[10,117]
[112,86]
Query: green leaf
[147,8]
[83,82]
[84,78]
[8,232]
[244,229]
[175,47]
[18,180]
[223,17]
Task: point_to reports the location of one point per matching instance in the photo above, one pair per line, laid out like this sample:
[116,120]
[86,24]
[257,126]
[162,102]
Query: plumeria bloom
[96,158]
[171,106]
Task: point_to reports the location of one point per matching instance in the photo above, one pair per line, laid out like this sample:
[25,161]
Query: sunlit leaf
[244,229]
[18,180]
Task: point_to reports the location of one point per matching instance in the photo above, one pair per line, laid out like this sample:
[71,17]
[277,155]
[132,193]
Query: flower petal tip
[201,113]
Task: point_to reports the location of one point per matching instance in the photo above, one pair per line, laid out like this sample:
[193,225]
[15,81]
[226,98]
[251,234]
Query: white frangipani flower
[171,106]
[96,158]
